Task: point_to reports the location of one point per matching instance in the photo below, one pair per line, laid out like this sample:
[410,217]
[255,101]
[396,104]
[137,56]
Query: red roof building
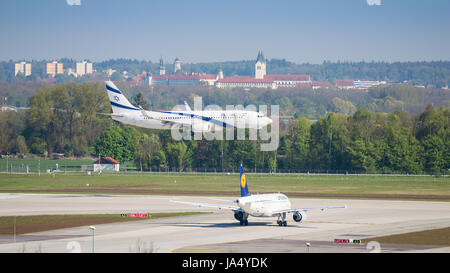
[245,82]
[345,84]
[317,85]
[183,79]
[106,160]
[106,164]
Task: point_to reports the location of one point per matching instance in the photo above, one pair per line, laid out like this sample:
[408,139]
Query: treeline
[298,102]
[61,118]
[65,119]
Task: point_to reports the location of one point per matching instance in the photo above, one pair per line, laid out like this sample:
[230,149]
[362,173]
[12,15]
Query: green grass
[228,184]
[437,237]
[38,223]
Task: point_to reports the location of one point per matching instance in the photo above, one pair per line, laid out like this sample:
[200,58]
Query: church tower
[176,65]
[260,66]
[162,69]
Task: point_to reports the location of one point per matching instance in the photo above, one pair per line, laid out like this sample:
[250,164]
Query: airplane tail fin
[119,102]
[244,187]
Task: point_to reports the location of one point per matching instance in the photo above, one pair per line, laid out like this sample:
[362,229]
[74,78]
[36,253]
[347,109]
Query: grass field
[436,237]
[385,187]
[30,224]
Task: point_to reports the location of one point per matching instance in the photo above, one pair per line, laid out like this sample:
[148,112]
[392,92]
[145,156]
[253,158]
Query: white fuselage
[197,120]
[264,205]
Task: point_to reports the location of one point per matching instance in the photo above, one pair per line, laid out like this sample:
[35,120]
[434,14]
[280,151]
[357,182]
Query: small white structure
[106,164]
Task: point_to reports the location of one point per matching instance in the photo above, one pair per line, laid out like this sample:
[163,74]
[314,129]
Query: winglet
[188,108]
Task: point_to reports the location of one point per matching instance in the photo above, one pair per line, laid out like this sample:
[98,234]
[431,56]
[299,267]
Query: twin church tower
[260,66]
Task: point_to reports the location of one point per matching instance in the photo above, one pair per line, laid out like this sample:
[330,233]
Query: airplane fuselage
[197,120]
[264,205]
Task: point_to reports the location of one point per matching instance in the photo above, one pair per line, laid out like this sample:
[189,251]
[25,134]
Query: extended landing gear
[241,217]
[282,222]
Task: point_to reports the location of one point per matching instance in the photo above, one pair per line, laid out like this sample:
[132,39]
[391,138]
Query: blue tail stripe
[123,106]
[113,90]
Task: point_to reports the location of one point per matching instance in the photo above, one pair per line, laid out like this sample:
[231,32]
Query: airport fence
[131,170]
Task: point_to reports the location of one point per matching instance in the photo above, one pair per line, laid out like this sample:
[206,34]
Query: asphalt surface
[219,231]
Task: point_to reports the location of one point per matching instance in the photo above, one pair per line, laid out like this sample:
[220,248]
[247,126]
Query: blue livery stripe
[123,106]
[215,121]
[113,90]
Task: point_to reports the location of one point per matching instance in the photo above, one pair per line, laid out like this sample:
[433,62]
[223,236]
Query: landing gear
[282,222]
[243,223]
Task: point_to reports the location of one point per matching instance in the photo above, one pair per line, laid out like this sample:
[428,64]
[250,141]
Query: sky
[301,31]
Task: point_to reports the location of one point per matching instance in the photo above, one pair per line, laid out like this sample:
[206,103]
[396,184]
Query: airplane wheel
[241,223]
[279,223]
[245,223]
[285,223]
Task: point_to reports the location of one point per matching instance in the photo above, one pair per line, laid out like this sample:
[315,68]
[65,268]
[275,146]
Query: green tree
[115,142]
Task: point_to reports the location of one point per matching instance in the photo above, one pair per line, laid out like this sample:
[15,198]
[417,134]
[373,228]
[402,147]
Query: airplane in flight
[262,205]
[198,121]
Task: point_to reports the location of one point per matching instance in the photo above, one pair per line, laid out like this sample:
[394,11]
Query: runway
[219,231]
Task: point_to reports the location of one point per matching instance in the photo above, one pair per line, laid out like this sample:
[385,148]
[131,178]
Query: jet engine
[239,215]
[299,216]
[201,127]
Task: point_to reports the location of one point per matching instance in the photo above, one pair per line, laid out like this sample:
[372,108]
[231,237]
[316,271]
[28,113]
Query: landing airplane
[198,121]
[262,205]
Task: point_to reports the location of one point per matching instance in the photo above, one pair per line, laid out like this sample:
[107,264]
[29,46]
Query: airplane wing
[306,209]
[234,208]
[111,115]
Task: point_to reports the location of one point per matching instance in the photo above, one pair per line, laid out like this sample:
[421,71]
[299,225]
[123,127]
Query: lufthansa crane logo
[243,182]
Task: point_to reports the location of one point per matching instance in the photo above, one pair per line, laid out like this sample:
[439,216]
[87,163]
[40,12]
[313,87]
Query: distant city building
[289,80]
[71,72]
[83,68]
[260,66]
[262,80]
[54,68]
[317,85]
[162,69]
[345,84]
[183,79]
[361,84]
[176,65]
[7,108]
[245,82]
[23,68]
[109,72]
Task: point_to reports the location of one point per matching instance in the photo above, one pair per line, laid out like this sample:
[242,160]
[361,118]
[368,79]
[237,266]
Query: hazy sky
[208,30]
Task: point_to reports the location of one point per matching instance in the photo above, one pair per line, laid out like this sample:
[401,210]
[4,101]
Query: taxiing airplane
[198,121]
[262,205]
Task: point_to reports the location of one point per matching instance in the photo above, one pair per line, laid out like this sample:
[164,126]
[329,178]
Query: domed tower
[162,69]
[260,66]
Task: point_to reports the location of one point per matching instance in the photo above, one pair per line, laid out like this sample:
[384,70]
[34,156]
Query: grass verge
[38,223]
[434,237]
